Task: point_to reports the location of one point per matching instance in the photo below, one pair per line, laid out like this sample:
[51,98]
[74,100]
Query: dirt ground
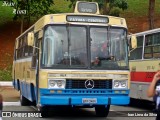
[9,94]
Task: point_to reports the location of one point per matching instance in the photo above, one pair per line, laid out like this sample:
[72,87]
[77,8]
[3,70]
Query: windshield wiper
[107,58]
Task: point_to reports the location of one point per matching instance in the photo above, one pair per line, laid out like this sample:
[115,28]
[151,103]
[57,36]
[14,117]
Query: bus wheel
[102,111]
[24,101]
[44,111]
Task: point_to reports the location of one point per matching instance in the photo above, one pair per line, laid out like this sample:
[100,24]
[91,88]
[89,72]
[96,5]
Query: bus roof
[148,32]
[62,19]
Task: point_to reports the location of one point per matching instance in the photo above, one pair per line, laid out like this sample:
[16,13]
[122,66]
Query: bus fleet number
[150,74]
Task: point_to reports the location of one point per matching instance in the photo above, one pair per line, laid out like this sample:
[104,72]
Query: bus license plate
[89,100]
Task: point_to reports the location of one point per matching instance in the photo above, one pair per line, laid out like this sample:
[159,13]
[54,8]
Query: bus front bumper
[84,100]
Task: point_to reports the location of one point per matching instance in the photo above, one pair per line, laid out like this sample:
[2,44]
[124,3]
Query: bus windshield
[65,46]
[69,46]
[108,48]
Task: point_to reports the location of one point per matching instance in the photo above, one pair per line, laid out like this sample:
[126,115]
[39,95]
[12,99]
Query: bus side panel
[139,91]
[28,91]
[16,84]
[23,79]
[142,72]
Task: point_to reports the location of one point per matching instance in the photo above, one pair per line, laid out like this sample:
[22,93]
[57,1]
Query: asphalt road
[116,113]
[11,96]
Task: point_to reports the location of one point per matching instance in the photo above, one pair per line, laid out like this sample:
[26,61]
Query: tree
[151,13]
[31,9]
[107,7]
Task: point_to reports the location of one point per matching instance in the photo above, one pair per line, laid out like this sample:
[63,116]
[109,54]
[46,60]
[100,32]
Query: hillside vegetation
[136,8]
[135,15]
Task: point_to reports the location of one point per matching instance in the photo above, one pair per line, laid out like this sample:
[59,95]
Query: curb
[11,103]
[6,84]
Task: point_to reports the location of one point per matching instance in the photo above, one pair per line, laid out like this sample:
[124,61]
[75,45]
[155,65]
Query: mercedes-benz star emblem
[89,84]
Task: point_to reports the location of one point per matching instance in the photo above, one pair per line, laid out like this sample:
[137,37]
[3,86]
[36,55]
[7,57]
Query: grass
[157,7]
[6,13]
[137,8]
[6,75]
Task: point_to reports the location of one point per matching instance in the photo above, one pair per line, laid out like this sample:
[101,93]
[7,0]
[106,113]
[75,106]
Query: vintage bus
[75,59]
[144,62]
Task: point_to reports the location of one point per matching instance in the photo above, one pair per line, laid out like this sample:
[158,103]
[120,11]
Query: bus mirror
[133,41]
[30,40]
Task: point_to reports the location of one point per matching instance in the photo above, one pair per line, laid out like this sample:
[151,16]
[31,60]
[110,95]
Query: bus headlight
[116,84]
[60,83]
[119,84]
[56,83]
[124,84]
[52,83]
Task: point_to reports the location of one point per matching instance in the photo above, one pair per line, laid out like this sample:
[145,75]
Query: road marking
[12,103]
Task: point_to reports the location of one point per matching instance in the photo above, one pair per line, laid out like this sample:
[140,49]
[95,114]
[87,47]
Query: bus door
[35,65]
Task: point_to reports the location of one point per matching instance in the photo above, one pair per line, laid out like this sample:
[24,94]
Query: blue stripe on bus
[28,91]
[77,100]
[47,98]
[16,84]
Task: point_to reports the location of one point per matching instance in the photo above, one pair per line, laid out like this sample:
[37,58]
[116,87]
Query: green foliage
[106,6]
[40,7]
[5,13]
[122,4]
[115,12]
[5,75]
[72,4]
[34,8]
[61,6]
[138,7]
[135,8]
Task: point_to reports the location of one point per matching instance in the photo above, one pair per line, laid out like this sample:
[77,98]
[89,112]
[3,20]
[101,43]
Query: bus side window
[25,47]
[19,50]
[148,52]
[15,50]
[137,53]
[35,51]
[156,51]
[148,48]
[152,46]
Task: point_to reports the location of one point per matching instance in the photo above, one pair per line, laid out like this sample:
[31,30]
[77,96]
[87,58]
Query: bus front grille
[81,84]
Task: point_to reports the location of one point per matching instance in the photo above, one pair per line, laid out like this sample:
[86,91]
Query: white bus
[144,61]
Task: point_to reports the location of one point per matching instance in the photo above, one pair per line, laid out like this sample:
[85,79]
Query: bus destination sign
[87,7]
[87,19]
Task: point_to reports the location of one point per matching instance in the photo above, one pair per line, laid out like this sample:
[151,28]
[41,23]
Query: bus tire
[24,101]
[102,111]
[44,111]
